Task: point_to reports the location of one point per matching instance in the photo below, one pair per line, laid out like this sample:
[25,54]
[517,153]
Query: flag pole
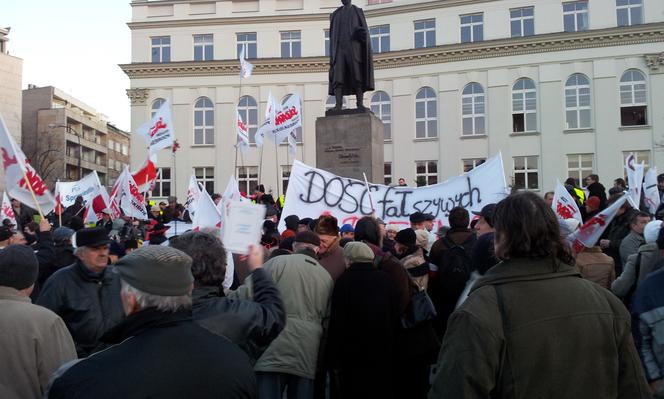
[276,169]
[175,186]
[59,205]
[34,197]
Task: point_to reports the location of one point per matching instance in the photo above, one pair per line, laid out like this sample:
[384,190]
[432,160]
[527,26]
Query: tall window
[522,21]
[162,186]
[327,42]
[579,166]
[380,38]
[526,173]
[203,121]
[575,16]
[524,106]
[156,104]
[633,99]
[290,44]
[110,144]
[161,49]
[426,114]
[426,173]
[205,176]
[248,42]
[472,28]
[382,108]
[387,173]
[425,33]
[203,48]
[629,12]
[331,102]
[298,131]
[639,156]
[473,110]
[248,109]
[577,102]
[247,178]
[471,163]
[285,177]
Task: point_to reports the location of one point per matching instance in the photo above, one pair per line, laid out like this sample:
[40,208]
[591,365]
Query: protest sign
[313,192]
[243,226]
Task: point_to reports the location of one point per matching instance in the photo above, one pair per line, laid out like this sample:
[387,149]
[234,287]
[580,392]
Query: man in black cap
[158,350]
[86,294]
[485,222]
[417,220]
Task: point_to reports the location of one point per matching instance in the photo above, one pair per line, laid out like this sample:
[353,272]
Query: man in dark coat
[595,188]
[351,57]
[86,294]
[158,351]
[22,213]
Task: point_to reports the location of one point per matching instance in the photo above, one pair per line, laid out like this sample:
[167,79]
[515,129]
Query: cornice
[648,33]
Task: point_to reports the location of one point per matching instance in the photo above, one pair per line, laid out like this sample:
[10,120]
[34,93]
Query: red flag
[145,176]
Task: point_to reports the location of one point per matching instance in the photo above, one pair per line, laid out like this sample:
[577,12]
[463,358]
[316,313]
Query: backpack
[454,268]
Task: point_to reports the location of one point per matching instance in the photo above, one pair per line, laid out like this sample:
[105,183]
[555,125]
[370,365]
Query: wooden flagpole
[34,197]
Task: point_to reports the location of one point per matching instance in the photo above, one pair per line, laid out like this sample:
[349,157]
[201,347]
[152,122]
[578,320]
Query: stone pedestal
[349,144]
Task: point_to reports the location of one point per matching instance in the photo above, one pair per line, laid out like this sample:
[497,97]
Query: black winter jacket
[162,355]
[89,305]
[252,325]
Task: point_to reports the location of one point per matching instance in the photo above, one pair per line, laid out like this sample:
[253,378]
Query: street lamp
[71,130]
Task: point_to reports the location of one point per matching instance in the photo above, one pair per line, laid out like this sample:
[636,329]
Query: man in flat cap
[158,350]
[35,341]
[86,294]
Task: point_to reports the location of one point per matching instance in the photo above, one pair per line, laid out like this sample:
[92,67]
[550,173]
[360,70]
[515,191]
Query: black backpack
[454,269]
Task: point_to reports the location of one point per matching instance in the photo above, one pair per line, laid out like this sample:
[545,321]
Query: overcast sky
[76,46]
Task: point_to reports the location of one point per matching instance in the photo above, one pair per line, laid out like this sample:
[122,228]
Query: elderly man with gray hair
[158,350]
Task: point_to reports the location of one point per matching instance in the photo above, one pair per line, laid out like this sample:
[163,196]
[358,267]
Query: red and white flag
[158,131]
[588,234]
[564,205]
[207,215]
[21,177]
[7,212]
[146,176]
[650,191]
[193,195]
[89,215]
[634,178]
[58,203]
[287,119]
[131,200]
[242,133]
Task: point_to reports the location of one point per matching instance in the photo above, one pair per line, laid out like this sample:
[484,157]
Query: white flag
[292,143]
[7,212]
[634,178]
[193,194]
[650,190]
[564,205]
[269,124]
[132,201]
[21,177]
[288,118]
[245,66]
[242,133]
[158,131]
[588,234]
[207,215]
[89,215]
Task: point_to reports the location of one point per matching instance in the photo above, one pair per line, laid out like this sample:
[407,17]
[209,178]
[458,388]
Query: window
[156,104]
[118,147]
[425,33]
[426,114]
[387,173]
[577,102]
[524,106]
[426,173]
[471,163]
[380,38]
[382,108]
[161,49]
[203,122]
[629,12]
[298,131]
[327,42]
[639,156]
[247,178]
[203,48]
[472,28]
[575,16]
[110,144]
[579,166]
[248,42]
[522,21]
[205,176]
[162,186]
[125,149]
[472,109]
[526,175]
[633,99]
[248,109]
[331,102]
[290,44]
[285,177]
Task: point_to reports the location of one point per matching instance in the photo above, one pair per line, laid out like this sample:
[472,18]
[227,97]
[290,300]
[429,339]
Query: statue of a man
[351,58]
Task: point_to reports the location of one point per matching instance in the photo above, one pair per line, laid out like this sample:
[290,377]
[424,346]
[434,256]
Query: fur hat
[327,226]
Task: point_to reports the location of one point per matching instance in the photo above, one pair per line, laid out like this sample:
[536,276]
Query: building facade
[559,88]
[118,143]
[65,139]
[11,74]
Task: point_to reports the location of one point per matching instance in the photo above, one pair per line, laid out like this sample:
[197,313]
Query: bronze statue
[351,57]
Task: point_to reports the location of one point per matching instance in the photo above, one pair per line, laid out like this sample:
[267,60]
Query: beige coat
[34,343]
[596,267]
[414,260]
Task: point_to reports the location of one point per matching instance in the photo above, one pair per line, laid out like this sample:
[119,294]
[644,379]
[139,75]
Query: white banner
[158,131]
[86,188]
[313,192]
[650,190]
[564,205]
[634,178]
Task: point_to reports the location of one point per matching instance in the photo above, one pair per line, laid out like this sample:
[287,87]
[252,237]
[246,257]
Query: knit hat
[307,237]
[422,239]
[406,237]
[18,267]
[62,233]
[327,226]
[157,270]
[651,231]
[593,202]
[347,228]
[358,252]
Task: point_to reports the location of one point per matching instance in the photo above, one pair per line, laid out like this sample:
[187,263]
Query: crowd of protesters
[493,304]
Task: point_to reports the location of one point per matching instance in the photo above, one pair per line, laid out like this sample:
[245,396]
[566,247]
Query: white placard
[243,226]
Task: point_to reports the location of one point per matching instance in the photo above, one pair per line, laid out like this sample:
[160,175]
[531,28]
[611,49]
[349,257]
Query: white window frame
[158,190]
[629,7]
[245,111]
[427,118]
[577,15]
[326,35]
[469,164]
[249,45]
[576,170]
[203,43]
[247,178]
[285,177]
[427,172]
[471,27]
[523,96]
[639,156]
[381,106]
[577,90]
[521,19]
[206,126]
[205,177]
[635,89]
[475,100]
[424,32]
[527,170]
[293,39]
[160,47]
[380,34]
[331,102]
[156,104]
